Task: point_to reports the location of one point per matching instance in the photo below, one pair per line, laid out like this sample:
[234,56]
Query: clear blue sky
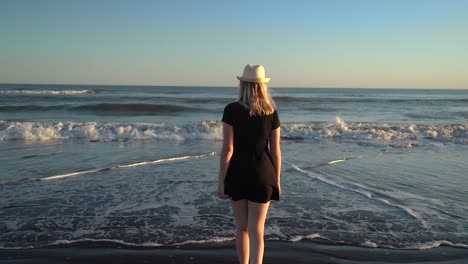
[333,43]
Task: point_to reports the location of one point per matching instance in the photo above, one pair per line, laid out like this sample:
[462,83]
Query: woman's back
[251,133]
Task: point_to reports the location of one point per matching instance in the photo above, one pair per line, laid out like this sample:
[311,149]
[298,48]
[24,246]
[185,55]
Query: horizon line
[235,86]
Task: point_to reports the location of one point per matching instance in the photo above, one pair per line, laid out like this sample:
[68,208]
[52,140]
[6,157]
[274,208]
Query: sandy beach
[276,252]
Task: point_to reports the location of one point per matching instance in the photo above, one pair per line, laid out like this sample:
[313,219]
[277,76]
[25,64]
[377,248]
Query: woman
[250,162]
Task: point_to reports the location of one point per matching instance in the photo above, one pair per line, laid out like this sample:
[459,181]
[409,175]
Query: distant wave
[103,107]
[386,100]
[428,116]
[10,108]
[288,99]
[206,100]
[46,92]
[399,135]
[343,100]
[133,107]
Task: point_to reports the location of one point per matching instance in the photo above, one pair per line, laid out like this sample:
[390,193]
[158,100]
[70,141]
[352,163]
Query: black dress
[251,174]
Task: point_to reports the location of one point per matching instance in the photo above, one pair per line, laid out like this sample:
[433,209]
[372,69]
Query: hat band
[253,79]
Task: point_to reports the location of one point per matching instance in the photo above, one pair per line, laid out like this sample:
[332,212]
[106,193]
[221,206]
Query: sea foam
[395,134]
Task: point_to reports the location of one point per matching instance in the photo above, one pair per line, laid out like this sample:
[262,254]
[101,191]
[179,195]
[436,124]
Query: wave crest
[395,135]
[377,131]
[45,92]
[102,131]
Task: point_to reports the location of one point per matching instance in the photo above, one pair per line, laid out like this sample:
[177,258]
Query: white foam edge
[438,243]
[417,246]
[74,174]
[369,244]
[367,194]
[116,241]
[299,238]
[211,240]
[166,160]
[336,161]
[123,243]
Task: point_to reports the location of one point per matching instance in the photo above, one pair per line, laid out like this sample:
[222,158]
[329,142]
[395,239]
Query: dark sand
[276,252]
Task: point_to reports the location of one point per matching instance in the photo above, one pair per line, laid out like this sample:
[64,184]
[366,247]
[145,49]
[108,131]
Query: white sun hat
[253,73]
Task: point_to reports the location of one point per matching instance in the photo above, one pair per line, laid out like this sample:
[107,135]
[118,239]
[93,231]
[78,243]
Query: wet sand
[276,253]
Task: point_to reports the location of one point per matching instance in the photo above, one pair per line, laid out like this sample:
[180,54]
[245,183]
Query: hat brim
[261,80]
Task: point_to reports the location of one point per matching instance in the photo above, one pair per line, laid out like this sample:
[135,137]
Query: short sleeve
[276,122]
[228,115]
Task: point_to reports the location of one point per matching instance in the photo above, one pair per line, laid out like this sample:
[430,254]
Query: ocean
[138,166]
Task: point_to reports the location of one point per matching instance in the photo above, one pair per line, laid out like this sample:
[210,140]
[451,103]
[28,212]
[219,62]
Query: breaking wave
[376,131]
[392,134]
[102,131]
[46,92]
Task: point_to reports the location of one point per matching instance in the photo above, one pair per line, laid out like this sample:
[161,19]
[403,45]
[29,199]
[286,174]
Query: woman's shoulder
[234,106]
[273,114]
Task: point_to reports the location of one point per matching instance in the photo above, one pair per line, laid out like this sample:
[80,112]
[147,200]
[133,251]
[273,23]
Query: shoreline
[276,252]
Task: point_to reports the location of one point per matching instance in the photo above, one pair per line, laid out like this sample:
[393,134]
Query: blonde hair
[255,95]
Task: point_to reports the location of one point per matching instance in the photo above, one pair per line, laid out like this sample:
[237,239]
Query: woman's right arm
[275,151]
[225,157]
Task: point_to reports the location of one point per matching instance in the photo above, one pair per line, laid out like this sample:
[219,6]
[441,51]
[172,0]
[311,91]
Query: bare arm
[225,157]
[275,150]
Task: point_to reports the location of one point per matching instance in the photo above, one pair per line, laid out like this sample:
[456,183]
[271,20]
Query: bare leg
[257,213]
[240,209]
